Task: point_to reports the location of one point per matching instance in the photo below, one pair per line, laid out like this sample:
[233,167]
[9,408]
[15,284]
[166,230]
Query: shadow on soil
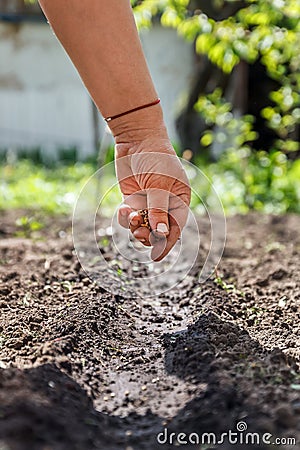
[45,409]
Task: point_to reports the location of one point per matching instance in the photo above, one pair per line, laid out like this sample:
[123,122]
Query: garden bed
[83,369]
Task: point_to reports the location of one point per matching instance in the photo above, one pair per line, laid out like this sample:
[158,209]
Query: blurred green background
[239,121]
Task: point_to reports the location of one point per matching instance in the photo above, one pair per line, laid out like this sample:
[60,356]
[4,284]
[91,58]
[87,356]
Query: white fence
[43,102]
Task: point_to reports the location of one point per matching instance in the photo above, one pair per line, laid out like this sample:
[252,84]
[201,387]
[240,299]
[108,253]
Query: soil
[84,369]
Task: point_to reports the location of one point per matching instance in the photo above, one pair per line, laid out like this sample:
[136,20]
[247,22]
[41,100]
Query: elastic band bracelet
[109,119]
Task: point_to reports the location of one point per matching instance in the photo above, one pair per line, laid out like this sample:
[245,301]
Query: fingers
[177,221]
[127,214]
[167,215]
[123,215]
[158,206]
[163,246]
[143,235]
[129,218]
[179,209]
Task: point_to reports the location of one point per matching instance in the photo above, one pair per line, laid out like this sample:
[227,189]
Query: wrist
[138,126]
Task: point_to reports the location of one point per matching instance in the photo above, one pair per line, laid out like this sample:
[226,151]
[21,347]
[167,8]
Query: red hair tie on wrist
[108,119]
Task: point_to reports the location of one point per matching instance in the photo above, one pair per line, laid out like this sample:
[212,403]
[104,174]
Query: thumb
[158,206]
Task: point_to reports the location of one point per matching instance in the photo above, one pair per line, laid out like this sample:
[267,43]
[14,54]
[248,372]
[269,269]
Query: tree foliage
[267,31]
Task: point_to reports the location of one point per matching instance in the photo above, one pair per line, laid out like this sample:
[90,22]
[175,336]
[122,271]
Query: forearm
[101,38]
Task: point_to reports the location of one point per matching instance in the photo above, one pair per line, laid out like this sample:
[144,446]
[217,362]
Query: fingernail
[123,212]
[143,240]
[162,228]
[134,221]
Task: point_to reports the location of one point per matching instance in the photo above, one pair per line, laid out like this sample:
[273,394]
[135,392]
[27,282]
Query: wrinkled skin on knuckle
[157,215]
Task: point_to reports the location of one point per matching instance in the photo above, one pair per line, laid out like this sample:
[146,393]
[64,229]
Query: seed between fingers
[144,214]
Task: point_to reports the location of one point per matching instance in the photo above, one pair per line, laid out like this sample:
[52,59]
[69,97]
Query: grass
[51,190]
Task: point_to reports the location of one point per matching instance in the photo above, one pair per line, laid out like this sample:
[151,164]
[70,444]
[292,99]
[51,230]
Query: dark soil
[83,369]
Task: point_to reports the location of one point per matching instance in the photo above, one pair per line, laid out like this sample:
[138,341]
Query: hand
[151,177]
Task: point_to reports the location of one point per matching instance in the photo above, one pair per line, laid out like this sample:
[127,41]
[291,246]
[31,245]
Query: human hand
[151,177]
